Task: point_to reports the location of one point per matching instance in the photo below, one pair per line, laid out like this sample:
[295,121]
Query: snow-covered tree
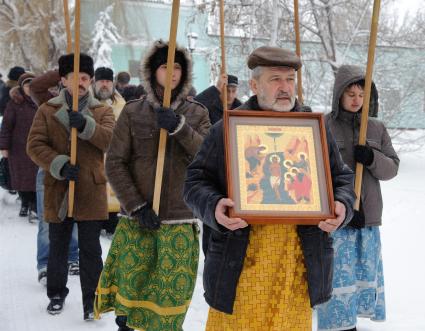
[32,34]
[105,34]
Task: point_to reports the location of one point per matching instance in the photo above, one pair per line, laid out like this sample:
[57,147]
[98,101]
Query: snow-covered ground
[23,300]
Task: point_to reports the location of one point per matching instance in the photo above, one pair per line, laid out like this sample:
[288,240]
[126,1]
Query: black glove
[167,119]
[77,120]
[363,154]
[358,220]
[69,171]
[147,218]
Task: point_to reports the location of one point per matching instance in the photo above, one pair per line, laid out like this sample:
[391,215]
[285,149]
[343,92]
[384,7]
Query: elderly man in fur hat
[49,147]
[150,272]
[105,91]
[263,277]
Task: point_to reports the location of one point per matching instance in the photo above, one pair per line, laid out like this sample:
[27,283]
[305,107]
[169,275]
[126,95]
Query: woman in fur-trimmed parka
[150,272]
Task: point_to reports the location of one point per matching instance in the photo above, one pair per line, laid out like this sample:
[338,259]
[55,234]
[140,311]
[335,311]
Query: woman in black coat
[16,124]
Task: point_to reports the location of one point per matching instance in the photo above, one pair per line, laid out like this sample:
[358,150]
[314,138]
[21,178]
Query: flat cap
[267,56]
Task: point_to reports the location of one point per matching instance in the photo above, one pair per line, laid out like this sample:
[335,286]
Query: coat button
[233,264]
[238,233]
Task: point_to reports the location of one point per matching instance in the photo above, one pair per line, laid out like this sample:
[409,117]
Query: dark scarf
[82,101]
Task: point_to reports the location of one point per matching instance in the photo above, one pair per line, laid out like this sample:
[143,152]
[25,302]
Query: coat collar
[62,112]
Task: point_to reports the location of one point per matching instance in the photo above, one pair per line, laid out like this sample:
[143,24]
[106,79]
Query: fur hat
[66,64]
[15,73]
[103,73]
[25,78]
[160,57]
[267,56]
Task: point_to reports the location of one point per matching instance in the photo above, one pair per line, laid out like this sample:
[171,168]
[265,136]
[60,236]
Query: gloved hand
[147,218]
[69,171]
[358,220]
[77,120]
[167,118]
[363,154]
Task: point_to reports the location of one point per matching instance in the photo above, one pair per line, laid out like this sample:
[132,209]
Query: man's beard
[262,102]
[103,93]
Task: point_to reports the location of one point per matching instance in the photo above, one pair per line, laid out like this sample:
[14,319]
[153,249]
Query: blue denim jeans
[43,230]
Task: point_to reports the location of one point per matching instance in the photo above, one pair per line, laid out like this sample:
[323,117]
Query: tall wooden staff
[74,104]
[298,51]
[366,99]
[167,101]
[67,27]
[223,56]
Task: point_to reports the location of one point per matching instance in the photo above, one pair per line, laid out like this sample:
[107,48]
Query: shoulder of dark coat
[143,97]
[190,99]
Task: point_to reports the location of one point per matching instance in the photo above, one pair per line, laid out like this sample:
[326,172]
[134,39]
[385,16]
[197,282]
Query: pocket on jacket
[145,143]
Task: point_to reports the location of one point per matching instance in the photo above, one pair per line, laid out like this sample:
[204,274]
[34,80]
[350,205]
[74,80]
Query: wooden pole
[298,51]
[167,101]
[67,27]
[74,104]
[223,56]
[366,99]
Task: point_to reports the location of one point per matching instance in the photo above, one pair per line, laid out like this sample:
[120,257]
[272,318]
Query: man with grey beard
[245,265]
[105,92]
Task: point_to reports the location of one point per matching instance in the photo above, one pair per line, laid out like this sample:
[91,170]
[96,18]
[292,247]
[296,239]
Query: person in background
[358,273]
[13,76]
[16,125]
[105,92]
[128,91]
[211,97]
[43,88]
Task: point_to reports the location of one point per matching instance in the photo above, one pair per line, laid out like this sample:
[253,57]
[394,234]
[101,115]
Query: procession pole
[167,101]
[223,56]
[67,27]
[298,51]
[75,82]
[366,99]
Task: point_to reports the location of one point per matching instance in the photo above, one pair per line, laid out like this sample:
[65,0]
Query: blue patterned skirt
[358,282]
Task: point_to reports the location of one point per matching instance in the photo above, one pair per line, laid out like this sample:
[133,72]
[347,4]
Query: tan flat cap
[267,56]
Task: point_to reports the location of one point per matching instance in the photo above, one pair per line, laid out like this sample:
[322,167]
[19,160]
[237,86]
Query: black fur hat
[104,73]
[15,73]
[160,58]
[66,64]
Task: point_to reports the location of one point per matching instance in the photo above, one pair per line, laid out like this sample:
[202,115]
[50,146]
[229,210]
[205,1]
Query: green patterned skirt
[149,276]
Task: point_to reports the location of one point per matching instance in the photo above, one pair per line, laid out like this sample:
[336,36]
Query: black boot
[56,305]
[24,211]
[122,323]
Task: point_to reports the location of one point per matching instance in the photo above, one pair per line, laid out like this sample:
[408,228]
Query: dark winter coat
[225,250]
[17,120]
[49,147]
[5,95]
[345,127]
[132,157]
[211,98]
